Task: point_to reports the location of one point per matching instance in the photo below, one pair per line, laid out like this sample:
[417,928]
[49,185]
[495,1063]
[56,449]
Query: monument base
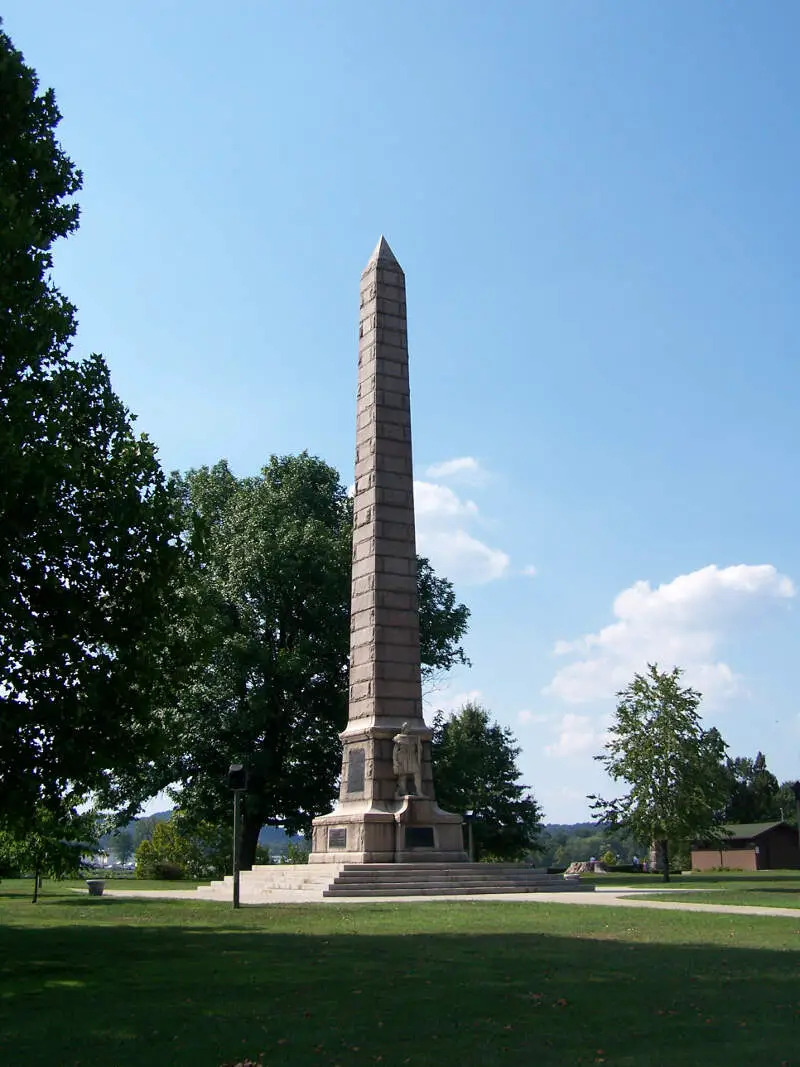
[412,829]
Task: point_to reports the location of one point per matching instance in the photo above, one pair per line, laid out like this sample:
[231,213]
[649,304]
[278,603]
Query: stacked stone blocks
[385,683]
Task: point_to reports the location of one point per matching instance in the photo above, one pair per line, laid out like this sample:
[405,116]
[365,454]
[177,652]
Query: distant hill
[271,837]
[568,827]
[276,837]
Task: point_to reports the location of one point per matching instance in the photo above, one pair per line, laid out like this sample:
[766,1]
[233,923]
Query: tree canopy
[787,802]
[88,532]
[673,766]
[268,616]
[753,791]
[475,769]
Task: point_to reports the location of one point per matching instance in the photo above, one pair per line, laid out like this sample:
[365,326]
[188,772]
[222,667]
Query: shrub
[166,849]
[297,853]
[168,871]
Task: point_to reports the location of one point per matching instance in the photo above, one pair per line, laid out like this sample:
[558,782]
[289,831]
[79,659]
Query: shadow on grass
[198,996]
[85,900]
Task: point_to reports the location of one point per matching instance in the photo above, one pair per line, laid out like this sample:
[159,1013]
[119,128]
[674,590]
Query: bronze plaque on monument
[355,771]
[419,837]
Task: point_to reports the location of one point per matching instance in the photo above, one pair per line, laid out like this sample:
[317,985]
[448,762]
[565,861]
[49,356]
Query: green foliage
[753,791]
[88,537]
[296,853]
[121,846]
[672,765]
[475,769]
[167,871]
[609,859]
[443,622]
[51,845]
[268,616]
[786,803]
[178,850]
[562,845]
[143,829]
[165,846]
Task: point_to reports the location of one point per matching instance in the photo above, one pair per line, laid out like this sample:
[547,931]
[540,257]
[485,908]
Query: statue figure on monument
[407,761]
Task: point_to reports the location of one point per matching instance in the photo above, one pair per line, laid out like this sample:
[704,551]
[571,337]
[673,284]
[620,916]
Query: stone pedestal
[387,804]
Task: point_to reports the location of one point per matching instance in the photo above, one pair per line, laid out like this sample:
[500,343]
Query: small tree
[673,766]
[51,845]
[475,769]
[121,846]
[178,850]
[296,853]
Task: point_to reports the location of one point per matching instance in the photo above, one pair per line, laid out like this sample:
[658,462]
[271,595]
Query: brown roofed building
[757,846]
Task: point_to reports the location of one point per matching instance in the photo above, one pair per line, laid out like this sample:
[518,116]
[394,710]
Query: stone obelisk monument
[387,811]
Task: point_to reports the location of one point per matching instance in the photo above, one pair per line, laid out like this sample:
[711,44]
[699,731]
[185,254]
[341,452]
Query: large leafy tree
[88,530]
[753,790]
[657,745]
[269,619]
[475,769]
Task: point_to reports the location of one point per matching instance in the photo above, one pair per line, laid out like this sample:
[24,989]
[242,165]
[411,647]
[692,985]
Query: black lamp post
[796,791]
[237,781]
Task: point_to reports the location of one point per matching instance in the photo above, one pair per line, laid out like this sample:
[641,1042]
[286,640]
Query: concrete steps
[314,882]
[274,882]
[433,879]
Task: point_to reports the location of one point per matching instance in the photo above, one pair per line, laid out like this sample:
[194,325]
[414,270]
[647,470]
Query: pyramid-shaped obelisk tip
[382,253]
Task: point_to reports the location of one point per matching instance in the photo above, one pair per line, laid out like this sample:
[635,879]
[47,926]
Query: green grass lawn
[24,886]
[769,889]
[163,983]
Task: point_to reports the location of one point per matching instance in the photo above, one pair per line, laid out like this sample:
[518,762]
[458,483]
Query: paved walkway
[614,897]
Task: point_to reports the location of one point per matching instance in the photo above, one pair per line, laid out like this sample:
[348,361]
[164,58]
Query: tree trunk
[251,828]
[665,858]
[35,885]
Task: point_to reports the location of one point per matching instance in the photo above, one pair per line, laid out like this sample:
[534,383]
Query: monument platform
[310,883]
[412,829]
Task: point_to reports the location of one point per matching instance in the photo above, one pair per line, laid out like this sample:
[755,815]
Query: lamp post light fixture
[237,781]
[468,815]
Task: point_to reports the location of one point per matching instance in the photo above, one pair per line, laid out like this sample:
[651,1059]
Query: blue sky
[596,208]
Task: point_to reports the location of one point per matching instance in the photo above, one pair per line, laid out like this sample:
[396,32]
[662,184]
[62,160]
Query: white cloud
[463,469]
[526,717]
[682,622]
[530,571]
[462,557]
[450,702]
[577,735]
[442,518]
[439,501]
